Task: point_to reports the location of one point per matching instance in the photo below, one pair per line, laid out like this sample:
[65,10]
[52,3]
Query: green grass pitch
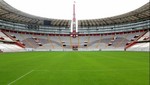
[74,68]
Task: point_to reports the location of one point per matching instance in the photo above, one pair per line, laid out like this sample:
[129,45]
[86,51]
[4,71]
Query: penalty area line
[20,77]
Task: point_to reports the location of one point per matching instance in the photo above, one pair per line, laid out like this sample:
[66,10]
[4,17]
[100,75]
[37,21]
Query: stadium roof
[9,13]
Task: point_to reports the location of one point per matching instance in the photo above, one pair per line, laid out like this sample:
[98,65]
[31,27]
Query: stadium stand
[4,37]
[143,44]
[140,47]
[146,37]
[8,44]
[10,48]
[118,41]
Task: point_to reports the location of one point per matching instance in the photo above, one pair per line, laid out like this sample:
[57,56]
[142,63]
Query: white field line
[20,77]
[70,70]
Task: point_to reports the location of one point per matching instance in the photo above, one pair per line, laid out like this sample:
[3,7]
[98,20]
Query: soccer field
[74,68]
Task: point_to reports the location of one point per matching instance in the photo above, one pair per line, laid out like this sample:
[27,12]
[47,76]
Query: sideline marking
[20,77]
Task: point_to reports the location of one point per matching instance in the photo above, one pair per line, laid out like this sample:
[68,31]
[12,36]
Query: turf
[74,68]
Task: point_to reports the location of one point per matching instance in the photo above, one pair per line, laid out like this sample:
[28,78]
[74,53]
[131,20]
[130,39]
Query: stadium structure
[105,51]
[20,31]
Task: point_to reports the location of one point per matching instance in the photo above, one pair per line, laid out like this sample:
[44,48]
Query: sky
[85,9]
